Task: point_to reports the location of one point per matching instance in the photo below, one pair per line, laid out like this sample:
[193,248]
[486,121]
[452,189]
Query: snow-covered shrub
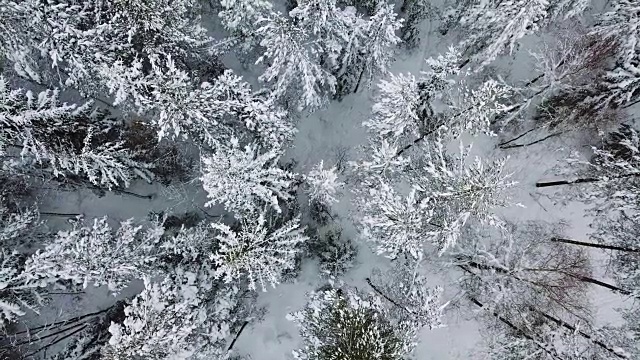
[245,179]
[258,251]
[335,252]
[184,316]
[342,324]
[323,185]
[97,255]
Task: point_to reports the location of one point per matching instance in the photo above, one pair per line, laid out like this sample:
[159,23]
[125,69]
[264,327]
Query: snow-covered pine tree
[245,179]
[97,255]
[375,51]
[186,316]
[409,110]
[620,25]
[343,324]
[323,185]
[445,193]
[491,28]
[20,286]
[260,251]
[410,202]
[415,12]
[150,69]
[396,112]
[293,60]
[240,18]
[210,113]
[83,45]
[335,250]
[189,244]
[64,138]
[325,20]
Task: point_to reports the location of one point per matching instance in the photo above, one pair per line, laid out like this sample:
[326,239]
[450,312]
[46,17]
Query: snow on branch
[258,251]
[69,139]
[323,184]
[97,255]
[183,316]
[445,193]
[243,180]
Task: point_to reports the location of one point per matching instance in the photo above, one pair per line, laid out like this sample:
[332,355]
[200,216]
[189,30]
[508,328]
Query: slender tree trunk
[533,142]
[542,184]
[518,137]
[536,79]
[57,341]
[125,192]
[65,322]
[59,214]
[244,324]
[580,332]
[605,285]
[581,278]
[565,325]
[385,295]
[630,104]
[359,80]
[516,329]
[593,245]
[584,180]
[40,338]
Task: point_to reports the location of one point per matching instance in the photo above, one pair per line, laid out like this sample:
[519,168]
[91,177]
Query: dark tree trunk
[583,180]
[532,142]
[566,182]
[359,81]
[244,324]
[593,245]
